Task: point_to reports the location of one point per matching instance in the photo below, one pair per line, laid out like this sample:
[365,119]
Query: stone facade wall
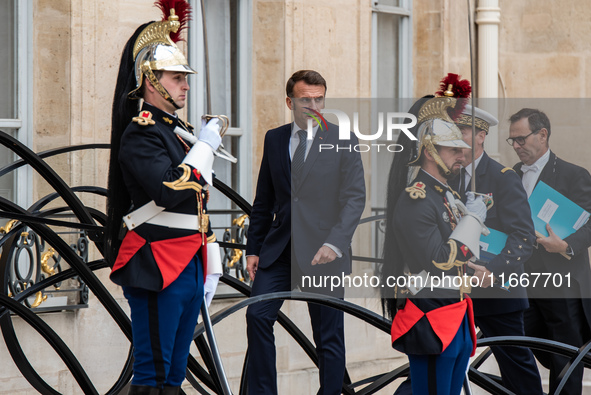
[544,53]
[333,38]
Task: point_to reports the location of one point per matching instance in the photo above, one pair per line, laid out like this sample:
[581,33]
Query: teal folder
[549,206]
[492,245]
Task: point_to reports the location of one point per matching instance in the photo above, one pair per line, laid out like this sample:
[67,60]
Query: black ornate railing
[232,242]
[54,256]
[30,260]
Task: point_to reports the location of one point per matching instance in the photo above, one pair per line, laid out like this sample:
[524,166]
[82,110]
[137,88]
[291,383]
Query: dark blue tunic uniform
[160,267]
[434,328]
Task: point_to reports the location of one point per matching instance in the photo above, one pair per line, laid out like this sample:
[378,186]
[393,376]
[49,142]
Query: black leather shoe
[170,390]
[143,390]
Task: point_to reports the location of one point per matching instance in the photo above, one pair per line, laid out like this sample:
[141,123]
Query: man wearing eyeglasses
[561,314]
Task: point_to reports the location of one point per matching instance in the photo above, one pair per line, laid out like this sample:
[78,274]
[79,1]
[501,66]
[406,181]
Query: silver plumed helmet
[155,50]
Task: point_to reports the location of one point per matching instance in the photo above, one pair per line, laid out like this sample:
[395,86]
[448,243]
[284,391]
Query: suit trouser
[562,320]
[327,327]
[162,325]
[443,374]
[517,364]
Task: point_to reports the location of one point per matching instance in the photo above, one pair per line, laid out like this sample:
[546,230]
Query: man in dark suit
[562,314]
[308,203]
[499,311]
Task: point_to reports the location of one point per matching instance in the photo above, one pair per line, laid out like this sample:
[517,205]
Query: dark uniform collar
[434,184]
[162,117]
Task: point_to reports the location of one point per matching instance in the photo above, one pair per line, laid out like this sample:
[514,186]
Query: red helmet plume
[452,86]
[182,9]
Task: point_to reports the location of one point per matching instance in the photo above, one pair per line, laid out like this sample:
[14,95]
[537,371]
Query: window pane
[221,40]
[7,180]
[222,18]
[391,3]
[7,60]
[235,97]
[387,56]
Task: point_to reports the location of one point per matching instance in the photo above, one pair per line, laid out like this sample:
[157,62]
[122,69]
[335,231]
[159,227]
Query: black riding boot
[170,390]
[143,390]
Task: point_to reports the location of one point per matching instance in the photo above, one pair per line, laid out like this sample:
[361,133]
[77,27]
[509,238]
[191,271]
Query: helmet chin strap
[158,86]
[433,152]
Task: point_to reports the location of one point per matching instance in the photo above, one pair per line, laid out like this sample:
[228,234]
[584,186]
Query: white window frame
[23,185]
[405,76]
[197,98]
[405,80]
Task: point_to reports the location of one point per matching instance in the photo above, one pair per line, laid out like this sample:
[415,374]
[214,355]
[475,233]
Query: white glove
[201,155]
[210,133]
[467,213]
[475,205]
[211,284]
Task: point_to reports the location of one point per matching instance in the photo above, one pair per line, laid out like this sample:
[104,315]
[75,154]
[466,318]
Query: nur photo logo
[390,119]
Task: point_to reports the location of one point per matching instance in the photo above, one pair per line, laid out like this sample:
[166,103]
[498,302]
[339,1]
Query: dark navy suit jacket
[323,207]
[151,158]
[510,214]
[574,182]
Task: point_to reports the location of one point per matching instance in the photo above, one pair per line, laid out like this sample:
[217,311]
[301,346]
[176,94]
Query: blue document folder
[549,206]
[492,245]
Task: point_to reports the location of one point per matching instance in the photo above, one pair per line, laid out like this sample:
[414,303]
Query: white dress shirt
[531,173]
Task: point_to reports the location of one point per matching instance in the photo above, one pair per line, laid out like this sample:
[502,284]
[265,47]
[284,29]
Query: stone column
[488,19]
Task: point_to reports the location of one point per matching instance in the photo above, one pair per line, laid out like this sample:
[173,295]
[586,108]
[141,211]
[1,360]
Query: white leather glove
[475,205]
[210,133]
[201,155]
[214,271]
[467,213]
[211,284]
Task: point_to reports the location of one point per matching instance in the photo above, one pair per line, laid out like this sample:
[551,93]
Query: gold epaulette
[417,190]
[506,168]
[144,118]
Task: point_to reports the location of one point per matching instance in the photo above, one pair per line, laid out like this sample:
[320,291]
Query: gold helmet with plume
[155,48]
[435,120]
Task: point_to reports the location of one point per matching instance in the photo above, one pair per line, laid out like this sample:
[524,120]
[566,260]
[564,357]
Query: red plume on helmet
[452,86]
[182,9]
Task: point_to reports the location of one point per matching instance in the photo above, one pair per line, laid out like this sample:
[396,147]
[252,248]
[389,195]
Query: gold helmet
[155,48]
[436,120]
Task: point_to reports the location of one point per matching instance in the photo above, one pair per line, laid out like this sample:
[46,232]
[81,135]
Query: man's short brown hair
[310,77]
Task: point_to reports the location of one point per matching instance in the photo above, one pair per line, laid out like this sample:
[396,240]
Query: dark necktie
[297,162]
[463,186]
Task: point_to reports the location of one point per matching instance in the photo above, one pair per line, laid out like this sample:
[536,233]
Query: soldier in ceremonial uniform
[430,236]
[499,310]
[158,186]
